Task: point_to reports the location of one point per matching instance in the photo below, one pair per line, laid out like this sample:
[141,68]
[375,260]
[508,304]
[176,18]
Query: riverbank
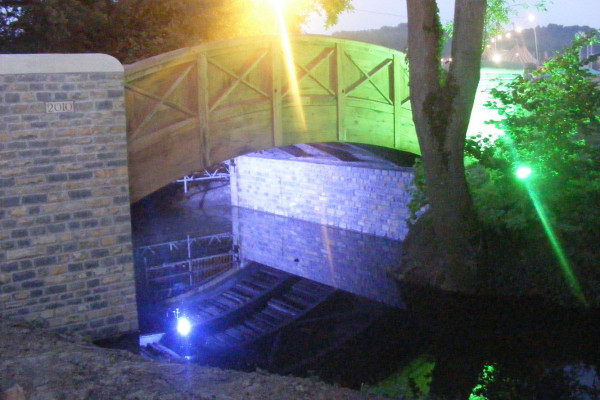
[39,365]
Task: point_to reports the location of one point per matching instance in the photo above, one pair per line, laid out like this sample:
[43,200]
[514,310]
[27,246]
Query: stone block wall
[65,228]
[344,259]
[353,197]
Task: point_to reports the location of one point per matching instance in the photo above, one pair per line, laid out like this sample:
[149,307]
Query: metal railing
[176,278]
[176,267]
[219,173]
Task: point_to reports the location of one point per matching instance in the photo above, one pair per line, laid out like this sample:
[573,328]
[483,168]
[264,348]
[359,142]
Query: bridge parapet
[195,107]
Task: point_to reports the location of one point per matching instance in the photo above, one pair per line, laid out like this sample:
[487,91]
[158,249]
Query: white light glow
[184,327]
[523,172]
[294,88]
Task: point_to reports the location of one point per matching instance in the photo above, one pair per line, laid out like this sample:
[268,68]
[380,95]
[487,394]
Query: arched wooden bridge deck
[192,108]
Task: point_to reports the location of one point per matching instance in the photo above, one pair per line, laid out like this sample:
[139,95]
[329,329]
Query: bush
[551,121]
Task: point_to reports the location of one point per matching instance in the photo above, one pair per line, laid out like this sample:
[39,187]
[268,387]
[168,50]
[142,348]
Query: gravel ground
[38,365]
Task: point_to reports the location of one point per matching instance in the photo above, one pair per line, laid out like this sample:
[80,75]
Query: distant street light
[531,18]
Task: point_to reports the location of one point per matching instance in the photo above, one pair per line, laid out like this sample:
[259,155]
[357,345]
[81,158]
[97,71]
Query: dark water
[537,350]
[528,349]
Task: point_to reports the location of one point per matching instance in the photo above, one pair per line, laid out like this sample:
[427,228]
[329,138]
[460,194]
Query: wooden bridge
[193,108]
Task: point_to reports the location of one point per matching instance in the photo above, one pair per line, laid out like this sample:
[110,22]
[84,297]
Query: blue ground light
[184,327]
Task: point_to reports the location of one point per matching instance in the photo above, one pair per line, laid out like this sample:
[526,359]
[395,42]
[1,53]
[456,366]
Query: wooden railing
[195,107]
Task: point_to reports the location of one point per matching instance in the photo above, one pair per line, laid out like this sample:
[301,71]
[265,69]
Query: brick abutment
[65,237]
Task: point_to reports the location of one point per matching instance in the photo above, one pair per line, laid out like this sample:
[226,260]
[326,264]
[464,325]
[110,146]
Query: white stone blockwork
[13,64]
[362,195]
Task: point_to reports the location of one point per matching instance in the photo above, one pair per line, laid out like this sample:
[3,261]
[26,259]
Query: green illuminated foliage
[551,121]
[413,381]
[512,382]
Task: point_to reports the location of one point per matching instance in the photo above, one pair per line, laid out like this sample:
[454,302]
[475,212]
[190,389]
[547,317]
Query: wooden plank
[245,107]
[152,96]
[371,126]
[340,93]
[368,104]
[369,84]
[406,137]
[156,64]
[241,134]
[140,143]
[321,125]
[153,167]
[239,79]
[160,102]
[313,65]
[203,110]
[398,82]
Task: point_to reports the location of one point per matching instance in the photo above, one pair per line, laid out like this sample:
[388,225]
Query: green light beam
[524,174]
[556,246]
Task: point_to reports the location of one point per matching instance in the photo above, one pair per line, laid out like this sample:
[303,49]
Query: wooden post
[340,92]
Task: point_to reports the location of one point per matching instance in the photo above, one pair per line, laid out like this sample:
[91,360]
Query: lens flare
[289,61]
[556,246]
[523,173]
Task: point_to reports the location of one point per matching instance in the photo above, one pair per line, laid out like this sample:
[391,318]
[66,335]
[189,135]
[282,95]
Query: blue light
[184,327]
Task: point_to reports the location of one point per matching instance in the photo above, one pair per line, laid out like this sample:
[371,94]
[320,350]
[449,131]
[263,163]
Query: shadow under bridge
[195,107]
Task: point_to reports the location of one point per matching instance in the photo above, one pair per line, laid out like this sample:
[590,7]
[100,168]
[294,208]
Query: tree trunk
[441,105]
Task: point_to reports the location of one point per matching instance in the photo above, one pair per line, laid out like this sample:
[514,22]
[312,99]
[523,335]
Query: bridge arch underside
[195,107]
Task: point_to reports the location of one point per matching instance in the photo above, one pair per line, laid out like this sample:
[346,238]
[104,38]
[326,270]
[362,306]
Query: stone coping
[17,64]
